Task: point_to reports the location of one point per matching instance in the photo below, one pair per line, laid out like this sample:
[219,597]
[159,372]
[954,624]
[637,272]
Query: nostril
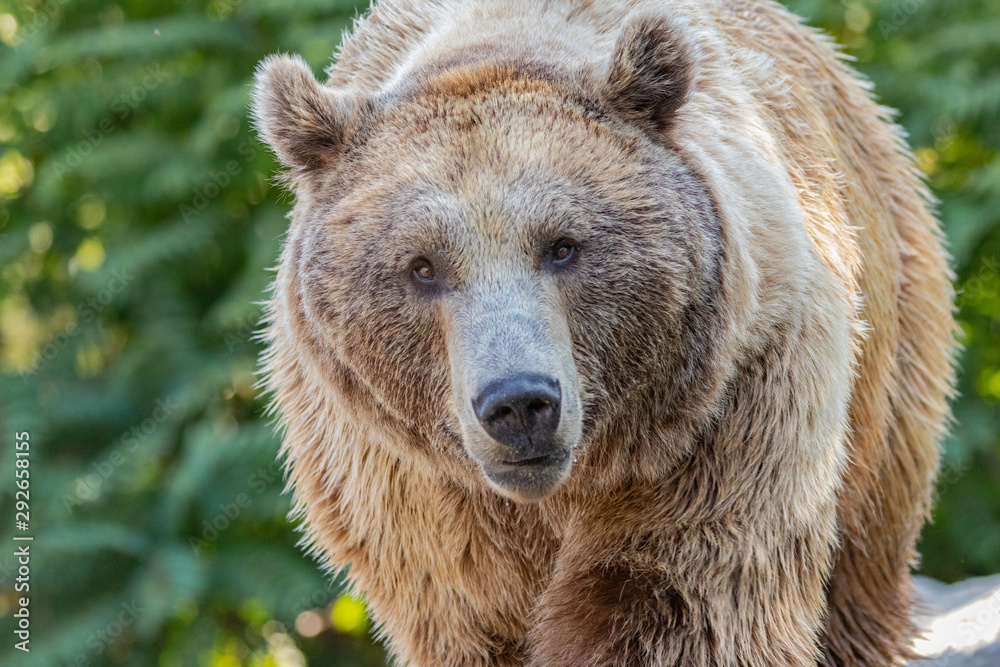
[538,406]
[504,415]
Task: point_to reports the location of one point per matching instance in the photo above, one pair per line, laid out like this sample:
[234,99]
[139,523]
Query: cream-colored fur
[759,422]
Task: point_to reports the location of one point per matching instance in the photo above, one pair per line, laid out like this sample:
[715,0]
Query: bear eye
[423,271]
[563,251]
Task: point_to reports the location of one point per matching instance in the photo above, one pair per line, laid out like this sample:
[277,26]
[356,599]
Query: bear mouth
[529,479]
[537,460]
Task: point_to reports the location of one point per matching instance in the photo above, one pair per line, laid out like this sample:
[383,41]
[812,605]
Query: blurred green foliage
[137,225]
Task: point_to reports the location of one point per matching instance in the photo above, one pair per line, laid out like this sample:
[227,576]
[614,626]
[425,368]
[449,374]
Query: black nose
[521,412]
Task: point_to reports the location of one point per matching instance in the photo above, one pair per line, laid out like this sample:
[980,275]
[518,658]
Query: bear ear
[303,121]
[651,70]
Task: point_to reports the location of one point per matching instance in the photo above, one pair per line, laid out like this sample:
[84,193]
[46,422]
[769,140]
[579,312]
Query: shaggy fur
[753,337]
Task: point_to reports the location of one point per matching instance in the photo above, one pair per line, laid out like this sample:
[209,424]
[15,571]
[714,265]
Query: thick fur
[754,342]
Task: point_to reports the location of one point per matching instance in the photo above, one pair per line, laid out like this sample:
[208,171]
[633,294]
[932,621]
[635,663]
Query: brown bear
[607,333]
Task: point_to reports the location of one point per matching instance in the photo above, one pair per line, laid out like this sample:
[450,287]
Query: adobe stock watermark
[121,108]
[84,313]
[216,182]
[245,330]
[44,12]
[979,284]
[229,513]
[900,15]
[101,640]
[223,8]
[950,472]
[88,487]
[319,597]
[966,634]
[989,269]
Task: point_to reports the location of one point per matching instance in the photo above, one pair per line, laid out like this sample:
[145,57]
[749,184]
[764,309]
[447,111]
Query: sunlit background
[137,223]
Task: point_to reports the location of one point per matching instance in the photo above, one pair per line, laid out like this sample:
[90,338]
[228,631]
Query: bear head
[503,263]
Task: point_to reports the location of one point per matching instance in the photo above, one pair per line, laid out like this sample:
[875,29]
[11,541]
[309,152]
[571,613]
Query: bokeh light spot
[90,255]
[16,172]
[40,237]
[90,212]
[348,616]
[309,624]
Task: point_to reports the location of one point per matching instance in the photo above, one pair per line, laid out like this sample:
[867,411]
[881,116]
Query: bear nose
[521,412]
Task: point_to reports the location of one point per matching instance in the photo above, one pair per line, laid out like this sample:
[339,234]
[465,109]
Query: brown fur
[754,342]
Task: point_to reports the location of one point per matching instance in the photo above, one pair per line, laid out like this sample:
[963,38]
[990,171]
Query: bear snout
[522,413]
[525,456]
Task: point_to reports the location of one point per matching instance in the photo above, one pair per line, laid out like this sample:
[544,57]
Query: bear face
[500,262]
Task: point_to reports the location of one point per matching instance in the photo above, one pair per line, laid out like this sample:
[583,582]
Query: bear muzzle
[521,414]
